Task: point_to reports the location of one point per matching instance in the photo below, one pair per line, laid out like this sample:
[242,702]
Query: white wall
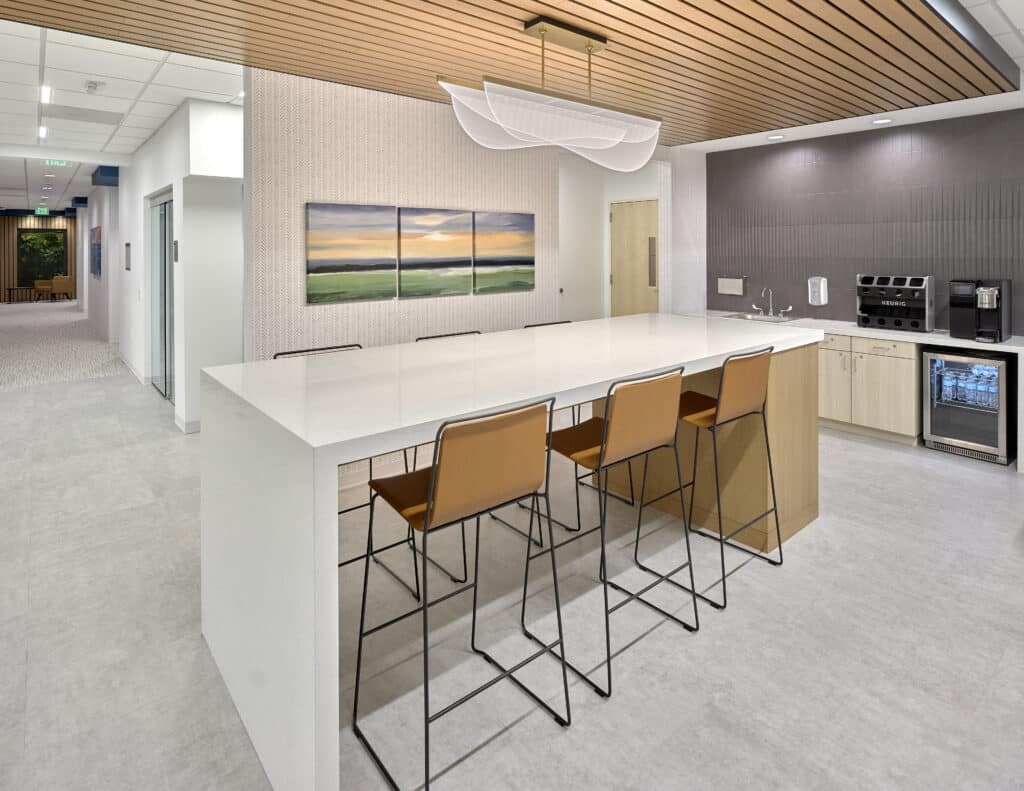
[319,141]
[199,140]
[104,307]
[586,192]
[212,283]
[689,225]
[582,216]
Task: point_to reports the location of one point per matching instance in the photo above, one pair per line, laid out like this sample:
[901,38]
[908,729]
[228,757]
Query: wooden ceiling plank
[958,72]
[737,79]
[413,87]
[386,35]
[993,78]
[760,58]
[808,28]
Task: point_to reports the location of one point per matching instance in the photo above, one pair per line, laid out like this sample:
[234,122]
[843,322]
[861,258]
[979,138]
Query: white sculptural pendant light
[504,115]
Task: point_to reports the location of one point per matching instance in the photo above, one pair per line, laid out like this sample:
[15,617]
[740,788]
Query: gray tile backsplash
[944,198]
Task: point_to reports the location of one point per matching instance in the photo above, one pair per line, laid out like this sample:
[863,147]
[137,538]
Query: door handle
[855,365]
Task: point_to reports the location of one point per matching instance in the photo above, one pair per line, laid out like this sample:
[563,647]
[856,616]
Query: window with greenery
[41,255]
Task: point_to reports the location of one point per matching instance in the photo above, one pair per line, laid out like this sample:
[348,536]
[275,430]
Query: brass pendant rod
[543,33]
[590,83]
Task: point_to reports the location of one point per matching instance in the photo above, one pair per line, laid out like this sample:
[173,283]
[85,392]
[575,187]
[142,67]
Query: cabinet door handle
[883,348]
[843,358]
[855,365]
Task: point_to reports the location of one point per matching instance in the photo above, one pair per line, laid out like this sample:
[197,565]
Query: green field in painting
[436,282]
[493,280]
[350,286]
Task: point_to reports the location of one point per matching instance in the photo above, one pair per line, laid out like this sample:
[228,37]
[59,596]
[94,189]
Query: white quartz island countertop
[401,393]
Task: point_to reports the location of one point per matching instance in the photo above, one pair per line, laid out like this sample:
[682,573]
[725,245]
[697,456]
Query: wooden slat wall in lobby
[9,225]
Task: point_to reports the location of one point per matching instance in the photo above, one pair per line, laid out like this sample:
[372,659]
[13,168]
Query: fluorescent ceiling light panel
[881,121]
[46,94]
[776,137]
[43,131]
[501,115]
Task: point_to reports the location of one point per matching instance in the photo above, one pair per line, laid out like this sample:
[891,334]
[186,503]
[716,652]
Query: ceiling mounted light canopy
[504,115]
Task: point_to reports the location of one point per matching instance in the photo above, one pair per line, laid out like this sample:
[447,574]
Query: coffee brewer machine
[980,310]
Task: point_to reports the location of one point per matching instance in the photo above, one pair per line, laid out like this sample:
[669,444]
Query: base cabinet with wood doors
[870,386]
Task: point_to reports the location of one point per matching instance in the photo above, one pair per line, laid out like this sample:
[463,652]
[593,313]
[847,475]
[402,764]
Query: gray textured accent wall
[944,198]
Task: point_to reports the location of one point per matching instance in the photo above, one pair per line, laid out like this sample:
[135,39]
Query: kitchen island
[275,432]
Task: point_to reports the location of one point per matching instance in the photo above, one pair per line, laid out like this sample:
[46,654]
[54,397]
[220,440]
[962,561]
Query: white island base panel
[275,433]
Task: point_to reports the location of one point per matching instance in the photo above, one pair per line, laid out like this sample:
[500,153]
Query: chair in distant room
[41,289]
[62,288]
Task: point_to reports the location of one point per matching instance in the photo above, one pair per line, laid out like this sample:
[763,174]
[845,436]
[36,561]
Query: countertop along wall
[944,198]
[314,141]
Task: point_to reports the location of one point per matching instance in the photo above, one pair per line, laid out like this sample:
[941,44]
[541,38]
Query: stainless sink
[760,317]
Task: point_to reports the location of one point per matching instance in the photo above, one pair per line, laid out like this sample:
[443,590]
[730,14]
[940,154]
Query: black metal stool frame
[426,604]
[602,528]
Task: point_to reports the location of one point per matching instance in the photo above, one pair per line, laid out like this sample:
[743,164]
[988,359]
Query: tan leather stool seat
[406,493]
[580,443]
[697,409]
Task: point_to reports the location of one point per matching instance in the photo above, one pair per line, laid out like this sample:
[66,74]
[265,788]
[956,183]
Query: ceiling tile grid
[107,97]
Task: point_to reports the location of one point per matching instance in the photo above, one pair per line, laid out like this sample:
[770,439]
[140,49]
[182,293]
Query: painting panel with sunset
[351,252]
[436,252]
[504,252]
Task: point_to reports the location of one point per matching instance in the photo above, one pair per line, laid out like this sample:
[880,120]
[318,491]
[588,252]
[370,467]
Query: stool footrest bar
[417,611]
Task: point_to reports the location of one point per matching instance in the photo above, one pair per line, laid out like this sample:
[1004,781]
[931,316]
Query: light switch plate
[733,286]
[817,291]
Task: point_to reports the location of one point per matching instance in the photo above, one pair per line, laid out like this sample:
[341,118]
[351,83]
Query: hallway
[44,342]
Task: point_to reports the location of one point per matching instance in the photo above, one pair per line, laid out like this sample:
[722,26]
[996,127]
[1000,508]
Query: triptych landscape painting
[360,252]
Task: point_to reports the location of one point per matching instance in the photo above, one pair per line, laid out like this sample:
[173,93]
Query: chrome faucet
[767,292]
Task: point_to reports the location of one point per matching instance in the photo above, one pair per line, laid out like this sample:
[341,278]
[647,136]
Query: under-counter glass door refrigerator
[968,405]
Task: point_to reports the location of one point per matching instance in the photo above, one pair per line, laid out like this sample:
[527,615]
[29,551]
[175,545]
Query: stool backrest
[642,414]
[481,463]
[318,350]
[744,385]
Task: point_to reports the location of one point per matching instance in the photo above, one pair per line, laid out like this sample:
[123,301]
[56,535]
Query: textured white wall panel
[322,142]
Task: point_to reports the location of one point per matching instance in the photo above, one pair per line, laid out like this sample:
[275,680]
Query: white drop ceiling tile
[171,95]
[23,73]
[205,63]
[143,122]
[123,148]
[133,133]
[192,79]
[91,101]
[22,93]
[79,126]
[1015,10]
[64,79]
[19,49]
[17,122]
[104,45]
[153,109]
[18,29]
[18,138]
[1012,43]
[18,107]
[990,18]
[93,61]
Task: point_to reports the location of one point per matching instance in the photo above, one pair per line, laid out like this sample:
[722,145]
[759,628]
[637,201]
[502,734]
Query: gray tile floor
[888,651]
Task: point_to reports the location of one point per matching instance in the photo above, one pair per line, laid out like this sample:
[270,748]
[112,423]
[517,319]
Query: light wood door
[634,257]
[885,393]
[835,380]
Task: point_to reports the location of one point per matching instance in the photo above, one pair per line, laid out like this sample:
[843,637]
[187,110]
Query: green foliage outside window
[41,255]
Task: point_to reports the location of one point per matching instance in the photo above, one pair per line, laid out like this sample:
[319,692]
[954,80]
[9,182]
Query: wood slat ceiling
[708,68]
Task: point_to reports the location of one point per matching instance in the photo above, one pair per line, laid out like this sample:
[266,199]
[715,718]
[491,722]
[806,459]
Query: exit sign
[56,163]
[42,210]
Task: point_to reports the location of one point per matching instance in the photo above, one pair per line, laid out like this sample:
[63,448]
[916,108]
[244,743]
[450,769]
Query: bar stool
[479,464]
[742,392]
[641,416]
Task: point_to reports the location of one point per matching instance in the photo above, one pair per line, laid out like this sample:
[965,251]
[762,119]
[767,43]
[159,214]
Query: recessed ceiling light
[47,187]
[241,94]
[776,137]
[46,94]
[882,121]
[48,176]
[43,131]
[43,198]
